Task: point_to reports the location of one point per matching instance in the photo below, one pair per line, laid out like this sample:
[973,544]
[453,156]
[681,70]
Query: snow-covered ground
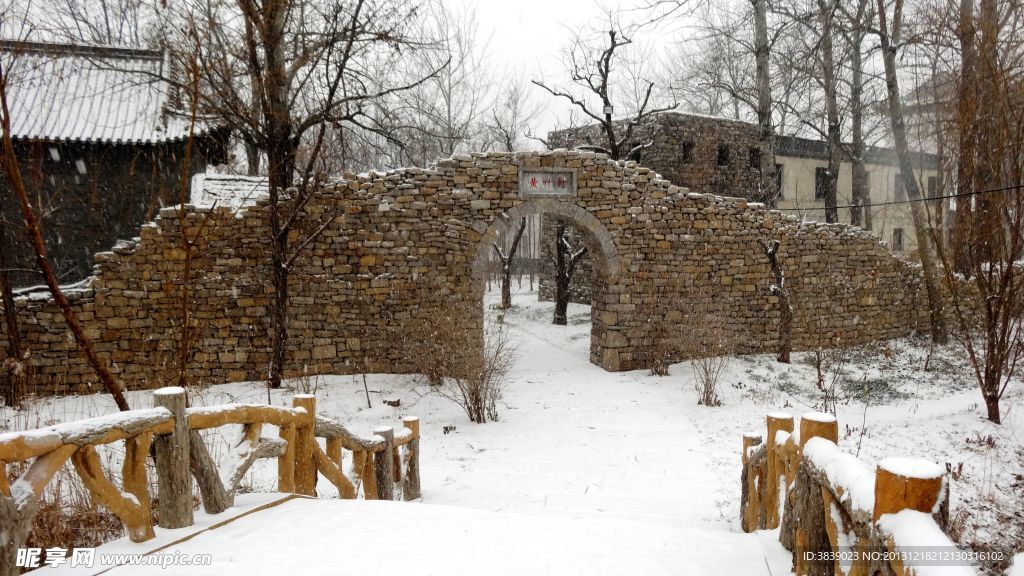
[604,460]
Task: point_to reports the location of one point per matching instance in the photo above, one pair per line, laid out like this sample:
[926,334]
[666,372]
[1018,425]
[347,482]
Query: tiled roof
[807,148]
[60,92]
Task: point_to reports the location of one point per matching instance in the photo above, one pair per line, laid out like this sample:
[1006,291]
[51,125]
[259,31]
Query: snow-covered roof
[227,190]
[63,92]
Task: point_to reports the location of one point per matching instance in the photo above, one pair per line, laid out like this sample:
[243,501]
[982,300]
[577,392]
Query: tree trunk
[14,364]
[565,267]
[828,76]
[924,245]
[966,111]
[506,266]
[281,153]
[860,214]
[766,134]
[561,286]
[989,232]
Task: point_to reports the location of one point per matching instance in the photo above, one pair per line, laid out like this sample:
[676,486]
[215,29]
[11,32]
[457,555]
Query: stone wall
[410,241]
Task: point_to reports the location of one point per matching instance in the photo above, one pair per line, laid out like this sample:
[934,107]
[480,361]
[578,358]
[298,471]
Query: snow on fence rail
[172,430]
[837,514]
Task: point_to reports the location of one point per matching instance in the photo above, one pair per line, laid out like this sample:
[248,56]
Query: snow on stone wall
[414,239]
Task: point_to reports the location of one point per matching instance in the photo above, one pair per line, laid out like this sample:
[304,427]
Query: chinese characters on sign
[547,183]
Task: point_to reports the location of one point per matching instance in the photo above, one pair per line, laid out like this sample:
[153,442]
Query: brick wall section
[410,239]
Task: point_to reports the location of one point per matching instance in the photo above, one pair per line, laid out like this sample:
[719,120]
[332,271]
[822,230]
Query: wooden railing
[386,465]
[834,512]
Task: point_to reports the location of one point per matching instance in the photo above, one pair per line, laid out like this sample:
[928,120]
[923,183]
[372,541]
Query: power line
[897,202]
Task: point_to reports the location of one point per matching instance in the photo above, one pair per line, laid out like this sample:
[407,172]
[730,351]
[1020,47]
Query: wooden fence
[837,514]
[386,465]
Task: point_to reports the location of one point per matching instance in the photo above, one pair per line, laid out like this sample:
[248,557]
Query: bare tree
[280,74]
[854,29]
[506,265]
[445,113]
[592,66]
[889,38]
[779,290]
[766,133]
[566,259]
[14,364]
[511,116]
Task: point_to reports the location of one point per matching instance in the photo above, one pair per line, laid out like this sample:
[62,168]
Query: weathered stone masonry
[409,240]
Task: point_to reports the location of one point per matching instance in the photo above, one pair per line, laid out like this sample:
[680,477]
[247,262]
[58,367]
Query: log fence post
[305,438]
[411,479]
[383,464]
[777,421]
[174,478]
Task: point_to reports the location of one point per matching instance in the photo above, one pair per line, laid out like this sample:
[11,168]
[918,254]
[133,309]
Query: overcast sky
[527,36]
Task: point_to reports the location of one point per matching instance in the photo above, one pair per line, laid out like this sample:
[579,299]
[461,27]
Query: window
[755,157]
[687,152]
[778,181]
[933,186]
[820,182]
[897,239]
[899,190]
[723,154]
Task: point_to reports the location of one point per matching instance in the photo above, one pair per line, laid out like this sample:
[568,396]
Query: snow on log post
[908,483]
[383,464]
[286,461]
[751,481]
[305,438]
[818,425]
[777,422]
[174,478]
[411,479]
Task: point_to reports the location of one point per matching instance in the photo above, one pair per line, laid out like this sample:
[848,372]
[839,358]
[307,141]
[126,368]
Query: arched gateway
[408,240]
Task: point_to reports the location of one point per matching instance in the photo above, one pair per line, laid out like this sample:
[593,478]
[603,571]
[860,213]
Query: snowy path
[575,443]
[588,472]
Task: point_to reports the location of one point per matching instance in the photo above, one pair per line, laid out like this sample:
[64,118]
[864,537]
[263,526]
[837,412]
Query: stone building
[101,143]
[720,156]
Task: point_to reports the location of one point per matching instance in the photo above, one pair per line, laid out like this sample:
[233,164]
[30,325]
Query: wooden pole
[333,451]
[907,483]
[286,461]
[174,480]
[750,439]
[411,480]
[383,464]
[777,421]
[305,463]
[818,425]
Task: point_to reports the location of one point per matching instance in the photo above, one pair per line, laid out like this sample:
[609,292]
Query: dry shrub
[478,384]
[707,341]
[461,364]
[67,517]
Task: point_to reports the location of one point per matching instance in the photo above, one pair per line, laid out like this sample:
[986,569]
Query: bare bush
[459,363]
[708,342]
[479,383]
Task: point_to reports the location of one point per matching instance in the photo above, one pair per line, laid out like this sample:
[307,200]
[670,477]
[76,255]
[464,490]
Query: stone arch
[599,240]
[605,260]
